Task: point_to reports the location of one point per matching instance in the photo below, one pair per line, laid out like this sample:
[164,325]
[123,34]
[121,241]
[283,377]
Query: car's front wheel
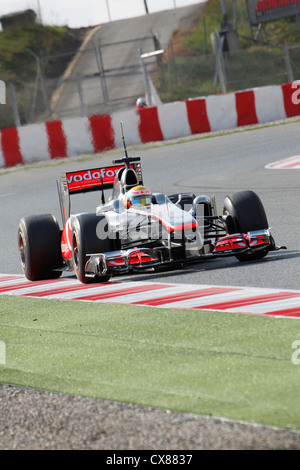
[244,212]
[85,241]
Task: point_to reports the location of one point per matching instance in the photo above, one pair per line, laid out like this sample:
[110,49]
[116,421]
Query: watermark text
[2,353]
[296,353]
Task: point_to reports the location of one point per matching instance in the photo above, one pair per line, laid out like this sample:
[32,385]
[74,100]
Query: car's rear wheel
[39,247]
[85,240]
[245,212]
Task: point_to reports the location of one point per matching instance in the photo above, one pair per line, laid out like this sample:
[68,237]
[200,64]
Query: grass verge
[221,364]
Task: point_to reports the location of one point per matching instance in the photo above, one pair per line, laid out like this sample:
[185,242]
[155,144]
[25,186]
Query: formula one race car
[138,230]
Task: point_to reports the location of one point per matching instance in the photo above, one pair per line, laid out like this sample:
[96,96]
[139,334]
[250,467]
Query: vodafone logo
[90,175]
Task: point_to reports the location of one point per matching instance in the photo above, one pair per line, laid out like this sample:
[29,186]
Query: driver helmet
[141,102]
[138,196]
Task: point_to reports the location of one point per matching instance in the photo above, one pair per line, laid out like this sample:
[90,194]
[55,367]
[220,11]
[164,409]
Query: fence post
[160,63]
[220,67]
[172,70]
[79,89]
[146,78]
[33,104]
[287,61]
[41,79]
[2,92]
[14,104]
[204,35]
[169,68]
[106,97]
[99,61]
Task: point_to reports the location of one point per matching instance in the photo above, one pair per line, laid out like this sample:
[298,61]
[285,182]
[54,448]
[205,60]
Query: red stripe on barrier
[291,99]
[57,142]
[149,125]
[197,116]
[103,137]
[11,147]
[245,107]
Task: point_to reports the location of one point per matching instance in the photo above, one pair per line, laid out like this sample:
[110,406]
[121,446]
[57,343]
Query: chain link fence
[103,84]
[107,84]
[99,79]
[220,72]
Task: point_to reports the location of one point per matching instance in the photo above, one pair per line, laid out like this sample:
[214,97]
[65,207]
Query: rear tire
[85,241]
[39,247]
[245,212]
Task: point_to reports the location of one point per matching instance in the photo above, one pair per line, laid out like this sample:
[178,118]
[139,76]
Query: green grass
[222,364]
[16,62]
[19,66]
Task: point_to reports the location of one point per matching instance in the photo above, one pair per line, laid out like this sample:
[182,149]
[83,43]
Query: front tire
[244,213]
[39,247]
[85,241]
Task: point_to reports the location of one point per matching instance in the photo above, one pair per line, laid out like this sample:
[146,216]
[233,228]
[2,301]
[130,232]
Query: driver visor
[140,200]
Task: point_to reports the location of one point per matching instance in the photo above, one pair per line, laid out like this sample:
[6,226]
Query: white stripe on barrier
[221,111]
[78,136]
[131,127]
[269,103]
[174,120]
[33,141]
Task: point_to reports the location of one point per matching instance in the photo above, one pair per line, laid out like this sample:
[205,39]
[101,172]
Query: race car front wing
[135,259]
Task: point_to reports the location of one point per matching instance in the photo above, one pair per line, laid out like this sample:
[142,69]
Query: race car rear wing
[97,179]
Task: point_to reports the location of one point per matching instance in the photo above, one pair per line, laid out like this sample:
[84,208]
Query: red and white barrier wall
[97,133]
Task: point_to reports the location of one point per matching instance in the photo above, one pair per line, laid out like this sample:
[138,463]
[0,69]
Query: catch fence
[111,78]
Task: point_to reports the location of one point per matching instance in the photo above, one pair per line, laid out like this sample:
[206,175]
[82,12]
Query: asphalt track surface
[217,165]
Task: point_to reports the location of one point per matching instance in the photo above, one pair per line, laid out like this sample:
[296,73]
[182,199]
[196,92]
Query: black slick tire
[39,239]
[245,212]
[85,241]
